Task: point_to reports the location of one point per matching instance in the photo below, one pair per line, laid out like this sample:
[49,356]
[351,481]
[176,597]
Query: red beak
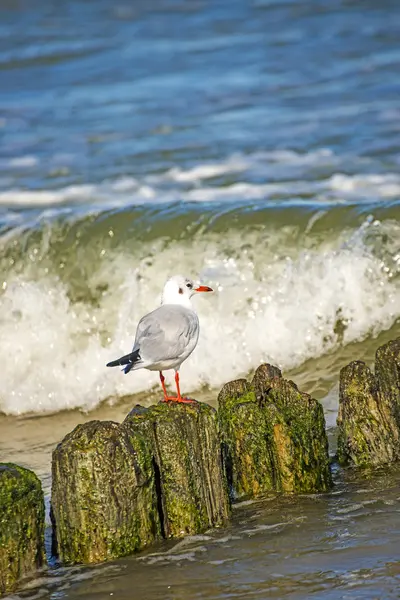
[203,288]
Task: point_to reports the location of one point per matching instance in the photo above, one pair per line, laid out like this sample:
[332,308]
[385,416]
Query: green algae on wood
[248,464]
[21,525]
[273,437]
[104,500]
[117,488]
[368,418]
[387,371]
[187,460]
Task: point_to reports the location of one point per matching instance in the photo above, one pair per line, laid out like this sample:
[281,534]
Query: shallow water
[253,145]
[324,546]
[338,545]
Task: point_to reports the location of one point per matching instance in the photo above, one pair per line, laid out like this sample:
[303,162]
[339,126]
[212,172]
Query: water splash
[279,297]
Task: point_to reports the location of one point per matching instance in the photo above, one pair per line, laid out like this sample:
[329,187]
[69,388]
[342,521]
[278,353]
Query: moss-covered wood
[187,460]
[369,416]
[104,500]
[273,437]
[387,372]
[21,525]
[117,488]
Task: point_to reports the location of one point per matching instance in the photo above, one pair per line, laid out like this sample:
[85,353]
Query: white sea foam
[235,163]
[47,197]
[280,307]
[273,176]
[385,186]
[109,194]
[23,161]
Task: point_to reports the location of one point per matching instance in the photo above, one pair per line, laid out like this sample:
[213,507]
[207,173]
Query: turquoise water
[254,145]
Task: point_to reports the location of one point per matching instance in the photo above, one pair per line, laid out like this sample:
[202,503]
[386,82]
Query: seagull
[166,336]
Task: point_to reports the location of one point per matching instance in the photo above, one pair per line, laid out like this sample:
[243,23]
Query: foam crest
[23,162]
[47,197]
[385,186]
[284,308]
[281,176]
[235,163]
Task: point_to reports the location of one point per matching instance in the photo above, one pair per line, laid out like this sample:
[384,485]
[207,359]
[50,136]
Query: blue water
[136,88]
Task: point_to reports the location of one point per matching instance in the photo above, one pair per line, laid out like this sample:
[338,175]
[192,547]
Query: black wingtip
[129,360]
[113,363]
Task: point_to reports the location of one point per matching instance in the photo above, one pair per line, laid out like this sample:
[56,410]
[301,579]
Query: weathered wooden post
[187,458]
[104,498]
[21,525]
[369,410]
[117,488]
[273,437]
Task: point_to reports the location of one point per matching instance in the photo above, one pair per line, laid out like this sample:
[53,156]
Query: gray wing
[165,333]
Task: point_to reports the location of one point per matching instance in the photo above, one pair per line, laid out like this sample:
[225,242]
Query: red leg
[162,379]
[179,397]
[166,397]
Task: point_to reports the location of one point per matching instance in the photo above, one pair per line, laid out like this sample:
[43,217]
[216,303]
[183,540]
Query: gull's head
[179,289]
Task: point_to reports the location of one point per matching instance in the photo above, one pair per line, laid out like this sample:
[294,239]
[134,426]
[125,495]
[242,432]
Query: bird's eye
[189,285]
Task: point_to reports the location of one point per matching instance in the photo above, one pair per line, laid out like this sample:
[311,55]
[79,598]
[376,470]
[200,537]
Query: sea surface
[255,146]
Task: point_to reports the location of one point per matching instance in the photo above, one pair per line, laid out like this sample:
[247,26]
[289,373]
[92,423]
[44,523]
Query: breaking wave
[72,294]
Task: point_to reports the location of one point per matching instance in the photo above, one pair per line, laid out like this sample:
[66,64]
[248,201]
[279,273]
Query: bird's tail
[129,360]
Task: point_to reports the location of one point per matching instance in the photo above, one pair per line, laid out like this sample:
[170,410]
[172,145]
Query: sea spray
[69,303]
